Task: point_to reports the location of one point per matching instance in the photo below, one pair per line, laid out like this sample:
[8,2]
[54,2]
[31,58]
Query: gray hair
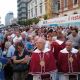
[7,44]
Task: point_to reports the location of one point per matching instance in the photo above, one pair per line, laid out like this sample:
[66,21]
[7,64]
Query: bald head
[68,45]
[40,43]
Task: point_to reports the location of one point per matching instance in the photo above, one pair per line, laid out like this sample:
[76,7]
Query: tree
[45,17]
[29,21]
[35,20]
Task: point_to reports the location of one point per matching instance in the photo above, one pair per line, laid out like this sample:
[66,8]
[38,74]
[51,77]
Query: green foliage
[35,20]
[45,17]
[29,21]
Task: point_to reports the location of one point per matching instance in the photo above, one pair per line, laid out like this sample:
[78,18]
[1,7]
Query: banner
[62,20]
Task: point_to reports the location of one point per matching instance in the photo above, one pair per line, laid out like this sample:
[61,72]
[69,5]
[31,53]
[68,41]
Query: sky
[7,6]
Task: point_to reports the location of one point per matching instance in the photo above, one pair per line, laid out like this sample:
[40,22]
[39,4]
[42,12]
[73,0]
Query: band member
[56,46]
[68,62]
[42,65]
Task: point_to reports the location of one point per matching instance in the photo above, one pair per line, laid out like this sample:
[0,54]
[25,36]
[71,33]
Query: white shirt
[17,39]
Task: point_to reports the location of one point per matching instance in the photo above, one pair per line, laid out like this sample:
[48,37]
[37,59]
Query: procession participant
[58,44]
[68,61]
[42,65]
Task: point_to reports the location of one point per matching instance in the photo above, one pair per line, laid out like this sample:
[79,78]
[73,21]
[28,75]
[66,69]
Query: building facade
[22,9]
[9,16]
[42,8]
[0,20]
[36,8]
[56,8]
[48,8]
[14,21]
[69,7]
[51,8]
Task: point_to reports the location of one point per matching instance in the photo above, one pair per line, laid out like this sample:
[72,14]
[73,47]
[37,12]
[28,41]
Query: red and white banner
[62,20]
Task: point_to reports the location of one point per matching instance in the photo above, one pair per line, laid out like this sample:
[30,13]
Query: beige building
[48,8]
[51,7]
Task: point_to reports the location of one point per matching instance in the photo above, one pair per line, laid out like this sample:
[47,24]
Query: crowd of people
[41,53]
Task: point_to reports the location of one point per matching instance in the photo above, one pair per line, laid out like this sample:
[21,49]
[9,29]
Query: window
[35,2]
[32,12]
[35,11]
[58,4]
[65,3]
[28,13]
[40,1]
[31,4]
[75,2]
[40,8]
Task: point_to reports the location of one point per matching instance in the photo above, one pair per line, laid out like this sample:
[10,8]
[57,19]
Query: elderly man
[68,62]
[42,65]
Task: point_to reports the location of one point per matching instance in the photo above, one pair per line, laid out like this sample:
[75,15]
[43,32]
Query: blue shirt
[0,52]
[29,46]
[11,51]
[1,37]
[3,61]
